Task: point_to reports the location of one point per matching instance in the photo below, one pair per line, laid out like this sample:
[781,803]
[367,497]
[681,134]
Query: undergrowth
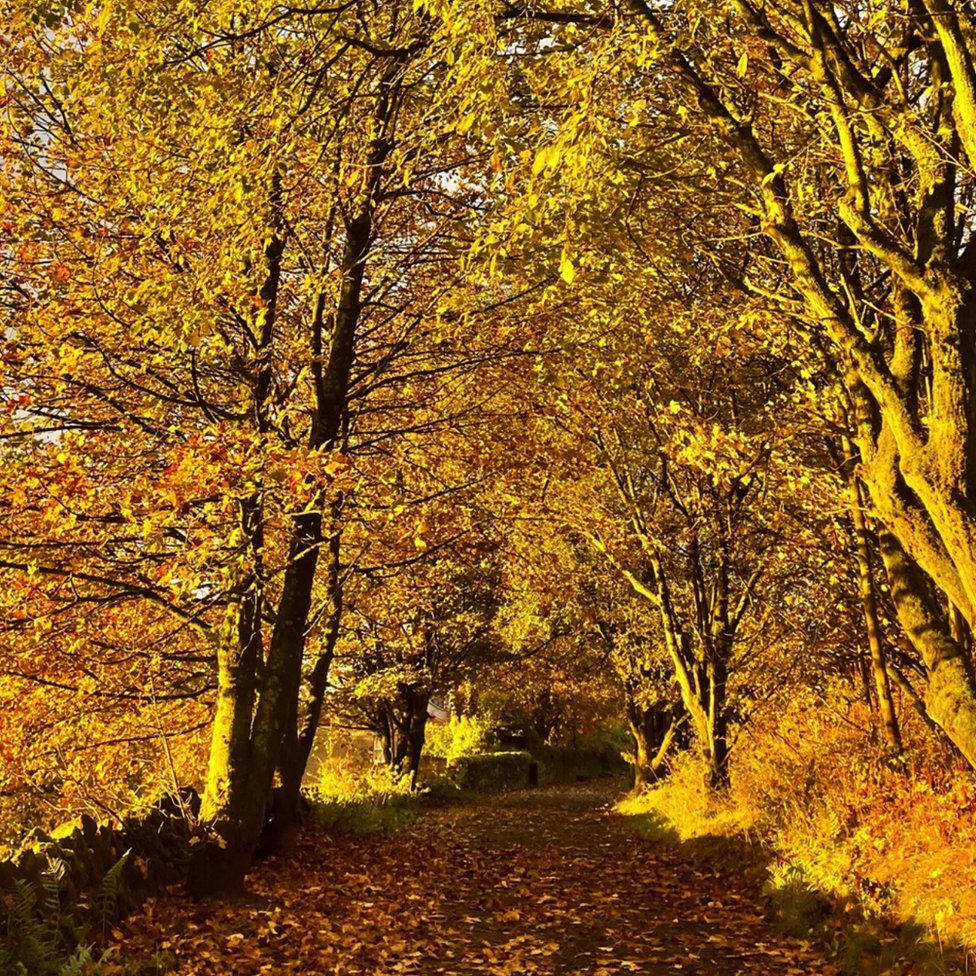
[371,801]
[460,735]
[873,857]
[39,939]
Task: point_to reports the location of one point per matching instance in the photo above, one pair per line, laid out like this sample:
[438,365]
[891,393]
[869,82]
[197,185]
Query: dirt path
[540,882]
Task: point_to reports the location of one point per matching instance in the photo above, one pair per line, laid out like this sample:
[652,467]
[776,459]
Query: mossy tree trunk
[948,697]
[905,351]
[872,622]
[255,728]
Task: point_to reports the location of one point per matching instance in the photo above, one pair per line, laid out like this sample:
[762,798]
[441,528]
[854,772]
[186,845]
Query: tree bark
[869,607]
[949,697]
[409,719]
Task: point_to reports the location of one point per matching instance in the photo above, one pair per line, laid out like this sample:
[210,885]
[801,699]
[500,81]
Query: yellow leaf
[567,270]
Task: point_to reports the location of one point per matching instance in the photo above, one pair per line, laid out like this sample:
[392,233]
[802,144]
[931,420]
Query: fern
[25,898]
[33,940]
[77,963]
[34,944]
[107,895]
[49,906]
[8,960]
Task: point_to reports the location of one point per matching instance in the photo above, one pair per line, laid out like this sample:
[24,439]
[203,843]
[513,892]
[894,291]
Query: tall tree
[228,264]
[840,142]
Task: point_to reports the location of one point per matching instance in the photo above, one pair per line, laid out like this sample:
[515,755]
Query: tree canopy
[566,365]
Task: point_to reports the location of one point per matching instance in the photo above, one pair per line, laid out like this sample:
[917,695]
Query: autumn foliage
[563,371]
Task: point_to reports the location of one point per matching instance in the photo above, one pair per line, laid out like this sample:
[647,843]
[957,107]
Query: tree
[871,224]
[417,631]
[811,130]
[897,304]
[226,259]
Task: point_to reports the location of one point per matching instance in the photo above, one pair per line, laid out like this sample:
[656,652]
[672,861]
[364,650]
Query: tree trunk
[239,787]
[653,730]
[416,733]
[703,697]
[229,802]
[717,753]
[410,722]
[301,728]
[238,810]
[387,740]
[950,700]
[717,757]
[869,606]
[642,750]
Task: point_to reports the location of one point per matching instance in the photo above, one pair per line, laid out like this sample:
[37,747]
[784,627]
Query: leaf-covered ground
[541,882]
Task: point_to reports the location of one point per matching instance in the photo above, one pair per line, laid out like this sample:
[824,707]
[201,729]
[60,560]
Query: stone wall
[67,888]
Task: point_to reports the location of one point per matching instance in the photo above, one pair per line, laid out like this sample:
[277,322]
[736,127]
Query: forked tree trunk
[700,663]
[654,731]
[246,750]
[238,794]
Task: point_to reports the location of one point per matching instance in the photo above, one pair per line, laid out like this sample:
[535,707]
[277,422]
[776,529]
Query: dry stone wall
[65,889]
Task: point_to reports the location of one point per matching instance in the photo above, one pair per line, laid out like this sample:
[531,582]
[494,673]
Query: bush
[492,771]
[460,735]
[799,906]
[344,781]
[890,844]
[682,802]
[364,817]
[372,801]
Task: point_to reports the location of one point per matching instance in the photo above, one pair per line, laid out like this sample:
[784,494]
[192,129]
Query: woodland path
[547,881]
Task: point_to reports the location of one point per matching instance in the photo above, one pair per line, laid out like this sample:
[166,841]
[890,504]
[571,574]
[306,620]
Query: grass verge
[814,897]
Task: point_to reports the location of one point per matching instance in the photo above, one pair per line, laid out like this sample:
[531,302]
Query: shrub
[884,841]
[492,771]
[682,802]
[365,817]
[460,735]
[344,781]
[799,906]
[374,800]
